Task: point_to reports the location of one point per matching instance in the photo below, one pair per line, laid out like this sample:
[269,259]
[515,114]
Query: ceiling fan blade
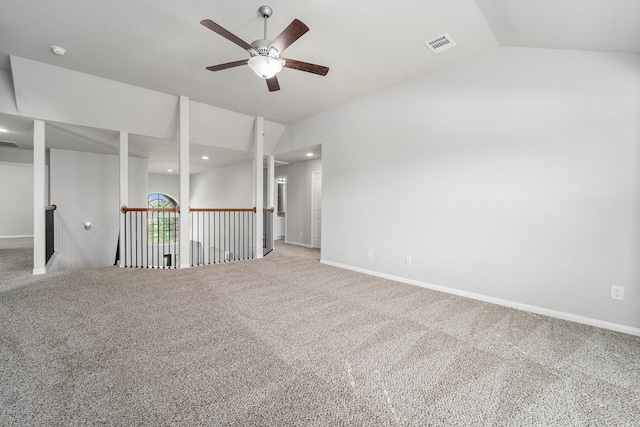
[228,65]
[228,35]
[273,84]
[305,66]
[293,32]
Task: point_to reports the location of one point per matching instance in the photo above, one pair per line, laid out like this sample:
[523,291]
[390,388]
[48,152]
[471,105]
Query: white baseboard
[304,245]
[498,301]
[16,237]
[37,271]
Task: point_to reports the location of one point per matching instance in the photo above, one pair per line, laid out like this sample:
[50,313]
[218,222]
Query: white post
[259,186]
[124,191]
[39,183]
[185,232]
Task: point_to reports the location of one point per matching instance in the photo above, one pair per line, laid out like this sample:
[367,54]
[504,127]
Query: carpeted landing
[16,262]
[287,341]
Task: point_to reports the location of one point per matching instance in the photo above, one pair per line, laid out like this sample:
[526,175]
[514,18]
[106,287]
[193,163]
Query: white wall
[298,214]
[513,175]
[16,190]
[85,187]
[87,100]
[224,187]
[165,184]
[7,97]
[83,99]
[16,155]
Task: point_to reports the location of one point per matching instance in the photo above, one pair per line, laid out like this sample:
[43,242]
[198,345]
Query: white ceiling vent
[9,144]
[440,43]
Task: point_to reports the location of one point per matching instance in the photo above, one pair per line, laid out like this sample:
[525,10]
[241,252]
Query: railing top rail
[126,209]
[222,209]
[51,208]
[177,209]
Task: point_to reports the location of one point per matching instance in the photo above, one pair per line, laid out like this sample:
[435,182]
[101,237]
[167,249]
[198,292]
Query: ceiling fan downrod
[266,13]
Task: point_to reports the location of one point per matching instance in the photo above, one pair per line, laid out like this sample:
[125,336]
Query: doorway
[316,209]
[280,226]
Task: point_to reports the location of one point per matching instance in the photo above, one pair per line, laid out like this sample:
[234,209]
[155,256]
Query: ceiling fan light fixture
[265,66]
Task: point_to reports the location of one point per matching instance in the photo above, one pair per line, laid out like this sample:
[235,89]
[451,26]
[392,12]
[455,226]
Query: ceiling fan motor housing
[262,46]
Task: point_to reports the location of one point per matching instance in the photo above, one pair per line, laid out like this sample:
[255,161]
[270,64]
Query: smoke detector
[440,43]
[58,50]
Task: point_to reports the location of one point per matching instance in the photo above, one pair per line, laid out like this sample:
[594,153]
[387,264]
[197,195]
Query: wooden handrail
[222,209]
[126,209]
[51,208]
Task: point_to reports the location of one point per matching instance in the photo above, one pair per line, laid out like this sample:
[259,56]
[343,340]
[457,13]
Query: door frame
[314,236]
[284,205]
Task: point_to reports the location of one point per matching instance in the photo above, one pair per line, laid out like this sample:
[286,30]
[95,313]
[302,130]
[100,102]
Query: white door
[316,209]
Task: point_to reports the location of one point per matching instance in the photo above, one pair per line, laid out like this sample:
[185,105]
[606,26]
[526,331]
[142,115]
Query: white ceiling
[368,45]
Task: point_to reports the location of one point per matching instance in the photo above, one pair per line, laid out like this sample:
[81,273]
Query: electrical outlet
[370,253]
[617,292]
[407,259]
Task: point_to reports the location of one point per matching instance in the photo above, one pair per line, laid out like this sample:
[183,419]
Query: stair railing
[217,235]
[221,235]
[267,239]
[151,237]
[49,227]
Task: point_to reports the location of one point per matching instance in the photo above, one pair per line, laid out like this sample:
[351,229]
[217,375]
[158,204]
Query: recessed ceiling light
[58,50]
[309,154]
[3,130]
[169,170]
[205,157]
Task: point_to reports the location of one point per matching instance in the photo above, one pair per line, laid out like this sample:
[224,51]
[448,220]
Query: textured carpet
[16,262]
[287,341]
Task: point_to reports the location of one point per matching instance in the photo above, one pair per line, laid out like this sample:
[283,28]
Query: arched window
[162,226]
[159,200]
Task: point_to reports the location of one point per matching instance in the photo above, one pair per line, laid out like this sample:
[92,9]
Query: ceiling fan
[265,58]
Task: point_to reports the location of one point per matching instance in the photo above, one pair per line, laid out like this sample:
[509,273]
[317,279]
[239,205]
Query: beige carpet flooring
[16,262]
[287,341]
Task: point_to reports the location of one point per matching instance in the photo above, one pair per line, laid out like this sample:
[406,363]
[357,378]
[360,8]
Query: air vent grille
[440,43]
[9,144]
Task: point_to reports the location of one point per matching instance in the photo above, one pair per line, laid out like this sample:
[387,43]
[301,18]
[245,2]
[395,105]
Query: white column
[124,190]
[39,202]
[259,186]
[185,230]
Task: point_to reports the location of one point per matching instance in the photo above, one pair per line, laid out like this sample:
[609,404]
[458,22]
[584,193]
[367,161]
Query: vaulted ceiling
[368,45]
